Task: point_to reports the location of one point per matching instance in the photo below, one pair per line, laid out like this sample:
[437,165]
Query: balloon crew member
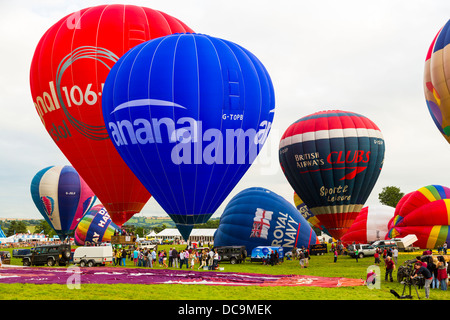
[390,267]
[420,269]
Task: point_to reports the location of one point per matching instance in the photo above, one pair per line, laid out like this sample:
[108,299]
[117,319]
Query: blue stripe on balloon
[35,195]
[69,188]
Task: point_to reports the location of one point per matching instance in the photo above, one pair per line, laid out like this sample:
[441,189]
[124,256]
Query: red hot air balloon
[370,225]
[68,70]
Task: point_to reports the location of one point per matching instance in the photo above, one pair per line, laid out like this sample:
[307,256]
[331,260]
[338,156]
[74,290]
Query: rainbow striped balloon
[436,83]
[95,227]
[425,213]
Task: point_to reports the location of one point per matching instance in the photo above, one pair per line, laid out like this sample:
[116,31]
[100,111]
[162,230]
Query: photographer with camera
[421,270]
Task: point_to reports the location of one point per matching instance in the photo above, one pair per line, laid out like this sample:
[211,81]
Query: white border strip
[327,134]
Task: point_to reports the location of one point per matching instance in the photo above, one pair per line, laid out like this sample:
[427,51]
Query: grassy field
[318,266]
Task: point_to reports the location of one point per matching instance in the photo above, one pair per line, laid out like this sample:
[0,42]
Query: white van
[91,256]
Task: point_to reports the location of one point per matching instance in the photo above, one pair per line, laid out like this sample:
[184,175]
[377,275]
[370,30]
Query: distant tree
[159,228]
[44,226]
[16,227]
[390,196]
[210,224]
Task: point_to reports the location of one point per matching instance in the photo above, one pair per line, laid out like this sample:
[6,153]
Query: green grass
[319,266]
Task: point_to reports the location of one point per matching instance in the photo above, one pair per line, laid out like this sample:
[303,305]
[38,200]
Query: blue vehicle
[263,252]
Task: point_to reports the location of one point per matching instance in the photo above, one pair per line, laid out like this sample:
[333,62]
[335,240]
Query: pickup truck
[49,255]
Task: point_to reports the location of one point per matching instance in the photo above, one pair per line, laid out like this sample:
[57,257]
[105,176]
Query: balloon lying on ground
[425,213]
[259,217]
[95,227]
[62,197]
[332,159]
[68,70]
[188,113]
[436,81]
[307,214]
[370,225]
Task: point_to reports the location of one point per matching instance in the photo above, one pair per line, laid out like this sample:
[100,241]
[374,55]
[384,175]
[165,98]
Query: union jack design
[261,223]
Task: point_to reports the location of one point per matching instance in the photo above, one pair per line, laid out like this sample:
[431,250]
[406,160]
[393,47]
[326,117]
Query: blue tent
[2,234]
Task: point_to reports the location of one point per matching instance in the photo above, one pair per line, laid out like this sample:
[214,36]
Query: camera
[406,271]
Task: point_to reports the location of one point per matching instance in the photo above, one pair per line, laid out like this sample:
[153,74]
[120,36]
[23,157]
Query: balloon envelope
[62,197]
[425,213]
[332,160]
[260,217]
[95,227]
[370,225]
[68,70]
[188,113]
[307,214]
[436,81]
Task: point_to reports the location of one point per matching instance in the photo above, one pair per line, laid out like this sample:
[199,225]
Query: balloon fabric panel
[68,70]
[188,113]
[371,224]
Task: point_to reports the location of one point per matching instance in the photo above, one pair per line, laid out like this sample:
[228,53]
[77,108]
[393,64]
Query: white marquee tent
[204,235]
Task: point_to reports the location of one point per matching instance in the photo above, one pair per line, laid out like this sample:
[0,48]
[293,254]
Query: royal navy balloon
[260,217]
[332,160]
[188,113]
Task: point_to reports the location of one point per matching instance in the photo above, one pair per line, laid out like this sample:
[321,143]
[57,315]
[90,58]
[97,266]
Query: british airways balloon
[332,159]
[188,113]
[260,217]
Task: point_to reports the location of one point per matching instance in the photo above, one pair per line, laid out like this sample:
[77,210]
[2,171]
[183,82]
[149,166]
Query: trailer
[406,243]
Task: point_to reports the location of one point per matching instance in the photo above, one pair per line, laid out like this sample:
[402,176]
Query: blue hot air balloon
[62,197]
[188,113]
[259,217]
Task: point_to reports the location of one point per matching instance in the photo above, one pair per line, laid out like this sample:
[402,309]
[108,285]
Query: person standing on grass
[203,259]
[181,258]
[420,269]
[135,256]
[377,257]
[442,273]
[175,257]
[301,259]
[335,255]
[186,258]
[170,258]
[395,255]
[390,267]
[164,258]
[124,257]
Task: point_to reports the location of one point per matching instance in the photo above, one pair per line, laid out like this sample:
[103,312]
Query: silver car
[364,250]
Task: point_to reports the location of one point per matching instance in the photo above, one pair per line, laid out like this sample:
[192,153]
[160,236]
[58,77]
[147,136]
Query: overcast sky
[361,56]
